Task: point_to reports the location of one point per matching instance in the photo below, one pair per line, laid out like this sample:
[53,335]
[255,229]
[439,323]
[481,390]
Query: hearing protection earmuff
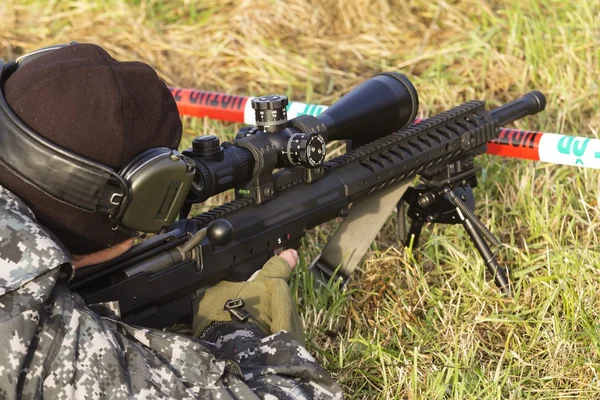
[144,196]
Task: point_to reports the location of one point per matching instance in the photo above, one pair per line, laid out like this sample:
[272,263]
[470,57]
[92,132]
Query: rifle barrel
[531,103]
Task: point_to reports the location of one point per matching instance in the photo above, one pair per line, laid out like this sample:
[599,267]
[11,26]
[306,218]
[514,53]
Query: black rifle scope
[375,108]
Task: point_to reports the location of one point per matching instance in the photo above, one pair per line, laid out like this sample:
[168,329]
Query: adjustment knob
[270,112]
[206,145]
[306,150]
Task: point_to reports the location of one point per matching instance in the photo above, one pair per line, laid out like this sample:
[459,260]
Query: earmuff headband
[59,172]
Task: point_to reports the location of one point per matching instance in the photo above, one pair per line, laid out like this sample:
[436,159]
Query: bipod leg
[401,222]
[414,231]
[500,274]
[415,226]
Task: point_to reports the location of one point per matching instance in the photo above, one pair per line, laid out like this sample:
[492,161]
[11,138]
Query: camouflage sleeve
[29,269]
[275,365]
[26,249]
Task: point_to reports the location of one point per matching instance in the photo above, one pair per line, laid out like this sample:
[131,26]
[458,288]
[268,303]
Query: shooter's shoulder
[27,250]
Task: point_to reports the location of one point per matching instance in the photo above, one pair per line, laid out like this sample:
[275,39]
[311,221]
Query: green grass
[426,324]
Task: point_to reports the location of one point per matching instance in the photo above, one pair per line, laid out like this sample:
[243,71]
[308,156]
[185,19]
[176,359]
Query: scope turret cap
[82,99]
[269,102]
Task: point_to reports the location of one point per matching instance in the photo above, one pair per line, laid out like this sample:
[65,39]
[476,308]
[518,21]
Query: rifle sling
[343,252]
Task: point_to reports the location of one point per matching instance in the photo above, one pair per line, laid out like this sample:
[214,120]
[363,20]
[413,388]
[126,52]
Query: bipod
[450,201]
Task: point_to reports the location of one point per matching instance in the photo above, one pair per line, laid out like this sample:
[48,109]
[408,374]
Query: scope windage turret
[377,107]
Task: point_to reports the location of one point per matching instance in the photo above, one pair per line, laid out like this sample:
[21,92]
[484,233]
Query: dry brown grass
[431,327]
[314,49]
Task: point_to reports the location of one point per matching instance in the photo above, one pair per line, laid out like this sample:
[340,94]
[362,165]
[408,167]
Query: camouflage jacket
[53,346]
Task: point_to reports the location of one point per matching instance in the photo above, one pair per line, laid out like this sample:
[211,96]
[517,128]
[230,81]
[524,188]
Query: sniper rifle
[156,282]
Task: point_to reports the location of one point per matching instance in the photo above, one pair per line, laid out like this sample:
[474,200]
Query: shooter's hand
[291,256]
[267,298]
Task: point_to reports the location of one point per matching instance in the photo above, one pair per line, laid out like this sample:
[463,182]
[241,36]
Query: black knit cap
[82,99]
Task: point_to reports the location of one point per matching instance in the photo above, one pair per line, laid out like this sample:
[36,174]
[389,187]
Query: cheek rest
[159,182]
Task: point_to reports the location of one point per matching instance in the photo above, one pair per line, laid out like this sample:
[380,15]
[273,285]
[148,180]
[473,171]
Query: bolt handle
[220,232]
